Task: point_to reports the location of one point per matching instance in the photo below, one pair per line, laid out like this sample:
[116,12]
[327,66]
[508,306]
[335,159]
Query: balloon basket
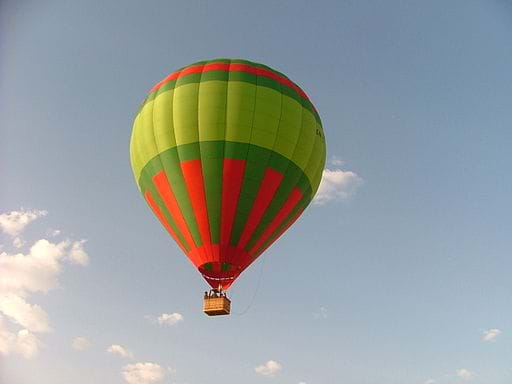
[216,305]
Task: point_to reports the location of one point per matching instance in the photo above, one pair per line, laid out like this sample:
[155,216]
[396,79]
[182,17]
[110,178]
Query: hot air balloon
[227,153]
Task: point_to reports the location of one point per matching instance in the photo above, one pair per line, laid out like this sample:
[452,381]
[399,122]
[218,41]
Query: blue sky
[402,275]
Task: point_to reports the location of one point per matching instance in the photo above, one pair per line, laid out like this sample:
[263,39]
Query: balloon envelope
[227,153]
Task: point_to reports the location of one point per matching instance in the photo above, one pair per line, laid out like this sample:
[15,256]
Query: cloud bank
[22,275]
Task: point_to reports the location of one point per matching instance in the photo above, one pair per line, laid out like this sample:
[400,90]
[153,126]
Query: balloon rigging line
[255,291]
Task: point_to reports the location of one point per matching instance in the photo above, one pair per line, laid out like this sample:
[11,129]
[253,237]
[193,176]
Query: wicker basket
[216,306]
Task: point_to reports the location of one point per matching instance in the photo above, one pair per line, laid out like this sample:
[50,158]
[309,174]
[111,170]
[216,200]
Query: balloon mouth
[219,274]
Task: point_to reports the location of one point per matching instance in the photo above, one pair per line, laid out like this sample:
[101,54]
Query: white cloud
[14,222]
[430,381]
[32,317]
[81,343]
[24,342]
[269,369]
[337,184]
[491,335]
[6,338]
[143,373]
[27,344]
[18,242]
[35,272]
[321,314]
[22,275]
[169,318]
[77,253]
[116,349]
[465,374]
